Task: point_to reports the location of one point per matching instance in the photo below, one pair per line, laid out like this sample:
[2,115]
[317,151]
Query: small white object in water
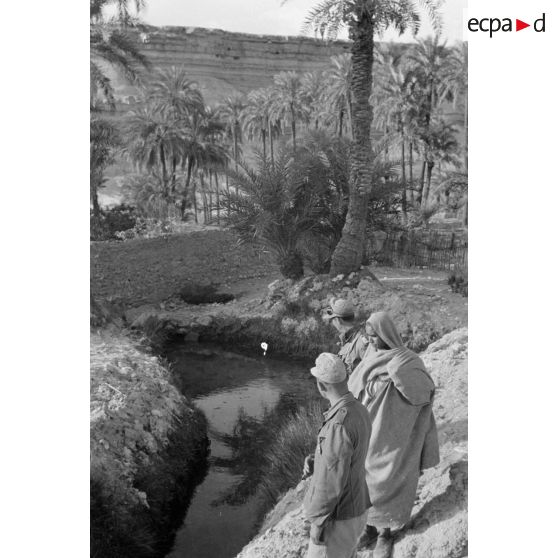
[264,347]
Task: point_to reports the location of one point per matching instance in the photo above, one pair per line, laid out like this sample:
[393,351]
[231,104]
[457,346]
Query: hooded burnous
[398,393]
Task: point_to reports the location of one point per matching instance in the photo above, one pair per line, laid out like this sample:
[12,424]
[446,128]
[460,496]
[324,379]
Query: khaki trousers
[341,539]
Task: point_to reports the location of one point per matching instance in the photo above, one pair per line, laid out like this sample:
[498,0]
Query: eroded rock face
[225,63]
[438,527]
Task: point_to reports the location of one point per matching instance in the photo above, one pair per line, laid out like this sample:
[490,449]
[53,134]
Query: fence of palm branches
[442,250]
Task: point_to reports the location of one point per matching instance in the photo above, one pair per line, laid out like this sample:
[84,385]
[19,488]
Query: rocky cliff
[438,526]
[223,62]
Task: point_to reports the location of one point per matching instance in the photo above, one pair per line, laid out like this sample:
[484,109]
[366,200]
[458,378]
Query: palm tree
[154,140]
[455,81]
[430,59]
[178,99]
[256,117]
[203,149]
[113,46]
[364,19]
[177,95]
[288,101]
[442,147]
[312,93]
[455,88]
[230,112]
[393,97]
[454,187]
[273,208]
[103,141]
[338,92]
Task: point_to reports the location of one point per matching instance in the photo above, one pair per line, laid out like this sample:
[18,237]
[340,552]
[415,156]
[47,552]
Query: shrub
[157,331]
[291,265]
[458,282]
[112,221]
[284,459]
[418,337]
[297,308]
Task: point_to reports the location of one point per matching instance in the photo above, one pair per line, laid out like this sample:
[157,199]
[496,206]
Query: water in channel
[244,400]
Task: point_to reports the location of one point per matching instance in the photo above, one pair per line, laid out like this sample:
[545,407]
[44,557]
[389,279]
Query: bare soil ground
[150,272]
[427,289]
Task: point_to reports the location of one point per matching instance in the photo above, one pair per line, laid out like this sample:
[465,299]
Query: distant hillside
[223,62]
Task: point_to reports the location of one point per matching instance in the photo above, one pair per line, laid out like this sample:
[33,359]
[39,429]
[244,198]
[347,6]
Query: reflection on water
[245,400]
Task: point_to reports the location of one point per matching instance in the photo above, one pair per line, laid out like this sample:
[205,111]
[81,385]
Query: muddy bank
[148,450]
[438,527]
[288,316]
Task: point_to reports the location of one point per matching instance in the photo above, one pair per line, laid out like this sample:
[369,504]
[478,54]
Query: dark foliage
[284,458]
[459,283]
[119,218]
[297,308]
[274,207]
[291,266]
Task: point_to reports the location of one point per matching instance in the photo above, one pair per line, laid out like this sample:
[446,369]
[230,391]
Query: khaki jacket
[338,487]
[353,347]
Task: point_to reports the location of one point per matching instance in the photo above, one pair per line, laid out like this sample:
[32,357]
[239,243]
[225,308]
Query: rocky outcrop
[223,62]
[438,527]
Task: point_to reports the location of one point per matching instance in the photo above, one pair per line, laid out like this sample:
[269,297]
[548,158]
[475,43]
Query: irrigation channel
[245,400]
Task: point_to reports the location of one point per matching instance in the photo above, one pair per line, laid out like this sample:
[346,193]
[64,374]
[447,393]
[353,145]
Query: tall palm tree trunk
[412,187]
[227,187]
[264,143]
[235,155]
[349,252]
[218,202]
[349,120]
[426,190]
[403,179]
[173,175]
[271,141]
[204,197]
[422,182]
[466,119]
[195,200]
[186,193]
[94,194]
[163,167]
[293,128]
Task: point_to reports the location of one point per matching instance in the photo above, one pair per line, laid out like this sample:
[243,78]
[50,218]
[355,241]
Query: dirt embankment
[438,527]
[288,316]
[147,443]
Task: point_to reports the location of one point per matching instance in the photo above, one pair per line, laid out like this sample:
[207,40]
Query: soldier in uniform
[337,498]
[352,343]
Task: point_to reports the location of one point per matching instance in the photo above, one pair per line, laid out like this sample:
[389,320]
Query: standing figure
[353,344]
[337,498]
[398,392]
